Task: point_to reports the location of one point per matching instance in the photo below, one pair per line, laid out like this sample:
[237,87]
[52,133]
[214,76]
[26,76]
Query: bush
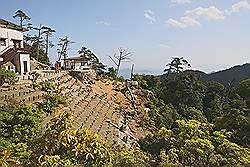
[194,143]
[18,128]
[125,157]
[62,145]
[48,86]
[53,100]
[7,76]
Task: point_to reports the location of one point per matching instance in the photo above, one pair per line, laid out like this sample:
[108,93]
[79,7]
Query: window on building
[16,43]
[2,42]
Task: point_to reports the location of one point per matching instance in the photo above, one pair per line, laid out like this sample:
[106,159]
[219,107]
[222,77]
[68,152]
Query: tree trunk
[119,64]
[47,44]
[38,43]
[21,22]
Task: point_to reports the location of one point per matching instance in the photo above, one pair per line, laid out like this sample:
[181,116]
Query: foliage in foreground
[18,129]
[62,145]
[124,157]
[194,143]
[7,76]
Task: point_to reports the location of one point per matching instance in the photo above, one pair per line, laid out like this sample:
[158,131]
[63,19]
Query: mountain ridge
[233,74]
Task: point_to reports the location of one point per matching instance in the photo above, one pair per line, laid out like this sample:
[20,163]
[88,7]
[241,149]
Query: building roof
[7,24]
[76,58]
[8,64]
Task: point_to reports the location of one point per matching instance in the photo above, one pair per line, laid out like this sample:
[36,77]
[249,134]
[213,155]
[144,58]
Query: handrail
[7,48]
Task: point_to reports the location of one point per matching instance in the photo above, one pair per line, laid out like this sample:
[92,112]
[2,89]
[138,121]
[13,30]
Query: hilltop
[233,74]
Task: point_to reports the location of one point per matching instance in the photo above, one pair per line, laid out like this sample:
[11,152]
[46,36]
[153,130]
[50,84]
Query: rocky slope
[97,105]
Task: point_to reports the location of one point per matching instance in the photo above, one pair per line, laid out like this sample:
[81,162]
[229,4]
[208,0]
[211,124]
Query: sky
[210,34]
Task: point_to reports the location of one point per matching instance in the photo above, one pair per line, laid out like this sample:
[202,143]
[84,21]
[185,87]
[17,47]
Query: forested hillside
[61,106]
[197,123]
[176,120]
[233,74]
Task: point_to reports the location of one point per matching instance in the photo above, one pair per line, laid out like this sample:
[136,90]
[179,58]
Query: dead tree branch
[123,56]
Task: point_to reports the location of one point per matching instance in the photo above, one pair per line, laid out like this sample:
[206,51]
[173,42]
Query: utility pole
[132,72]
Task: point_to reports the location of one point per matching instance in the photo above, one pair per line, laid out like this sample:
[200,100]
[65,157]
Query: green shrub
[53,100]
[7,76]
[61,145]
[125,157]
[18,128]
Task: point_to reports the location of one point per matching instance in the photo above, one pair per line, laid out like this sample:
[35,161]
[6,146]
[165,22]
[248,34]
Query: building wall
[72,65]
[24,57]
[16,62]
[77,65]
[10,34]
[11,68]
[68,64]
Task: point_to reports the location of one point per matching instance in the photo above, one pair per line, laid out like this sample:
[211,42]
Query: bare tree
[122,56]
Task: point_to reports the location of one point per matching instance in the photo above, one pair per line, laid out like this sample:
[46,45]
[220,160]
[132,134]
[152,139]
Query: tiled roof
[10,25]
[8,64]
[76,58]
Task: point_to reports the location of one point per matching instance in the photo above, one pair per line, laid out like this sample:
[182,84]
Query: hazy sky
[211,35]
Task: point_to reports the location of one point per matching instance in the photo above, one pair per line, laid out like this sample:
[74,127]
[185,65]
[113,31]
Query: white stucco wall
[11,68]
[24,57]
[68,64]
[77,66]
[10,34]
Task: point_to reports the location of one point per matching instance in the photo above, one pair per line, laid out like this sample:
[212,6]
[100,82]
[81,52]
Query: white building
[13,56]
[77,64]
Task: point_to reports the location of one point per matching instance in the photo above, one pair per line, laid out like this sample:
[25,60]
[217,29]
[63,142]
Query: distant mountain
[236,74]
[126,72]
